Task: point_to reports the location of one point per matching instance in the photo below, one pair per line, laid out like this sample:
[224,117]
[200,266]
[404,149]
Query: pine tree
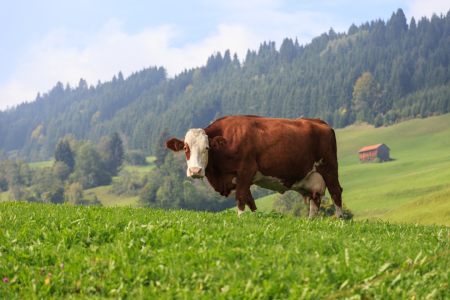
[160,150]
[64,153]
[287,51]
[117,153]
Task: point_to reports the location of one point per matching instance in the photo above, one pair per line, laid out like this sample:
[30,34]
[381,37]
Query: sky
[43,42]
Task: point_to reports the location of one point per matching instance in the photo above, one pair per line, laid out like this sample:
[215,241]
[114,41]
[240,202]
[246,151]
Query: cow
[235,152]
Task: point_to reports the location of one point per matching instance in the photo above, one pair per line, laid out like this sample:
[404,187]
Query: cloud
[426,8]
[66,55]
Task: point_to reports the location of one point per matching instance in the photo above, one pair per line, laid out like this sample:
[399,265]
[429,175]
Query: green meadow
[143,169]
[420,168]
[109,199]
[41,164]
[62,252]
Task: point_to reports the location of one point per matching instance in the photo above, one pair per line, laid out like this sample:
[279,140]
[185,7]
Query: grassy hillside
[62,251]
[432,208]
[143,169]
[107,199]
[420,167]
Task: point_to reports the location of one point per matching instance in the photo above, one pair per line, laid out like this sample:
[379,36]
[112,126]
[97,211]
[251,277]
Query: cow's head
[197,146]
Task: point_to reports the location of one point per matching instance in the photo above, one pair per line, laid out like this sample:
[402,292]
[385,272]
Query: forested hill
[380,72]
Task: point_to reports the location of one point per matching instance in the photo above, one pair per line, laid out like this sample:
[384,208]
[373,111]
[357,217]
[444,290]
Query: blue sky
[43,42]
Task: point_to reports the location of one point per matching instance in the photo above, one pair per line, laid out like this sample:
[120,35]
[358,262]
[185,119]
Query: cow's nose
[195,171]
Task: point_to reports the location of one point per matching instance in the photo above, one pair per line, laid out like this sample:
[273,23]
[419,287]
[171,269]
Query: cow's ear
[217,143]
[175,145]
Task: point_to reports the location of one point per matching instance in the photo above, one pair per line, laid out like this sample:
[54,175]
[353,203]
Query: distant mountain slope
[409,65]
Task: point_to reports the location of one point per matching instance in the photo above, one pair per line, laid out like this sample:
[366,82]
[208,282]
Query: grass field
[4,196]
[420,167]
[428,209]
[143,169]
[41,164]
[62,251]
[107,199]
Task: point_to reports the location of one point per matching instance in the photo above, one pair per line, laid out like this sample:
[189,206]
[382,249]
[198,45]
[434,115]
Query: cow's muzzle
[195,173]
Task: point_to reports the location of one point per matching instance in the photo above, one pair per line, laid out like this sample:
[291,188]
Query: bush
[291,203]
[95,201]
[135,158]
[75,193]
[378,121]
[3,184]
[129,184]
[54,195]
[327,209]
[147,196]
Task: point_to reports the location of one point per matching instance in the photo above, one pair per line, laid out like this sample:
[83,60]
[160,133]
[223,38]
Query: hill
[420,170]
[62,251]
[403,67]
[429,209]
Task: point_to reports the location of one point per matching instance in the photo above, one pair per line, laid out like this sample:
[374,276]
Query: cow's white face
[196,147]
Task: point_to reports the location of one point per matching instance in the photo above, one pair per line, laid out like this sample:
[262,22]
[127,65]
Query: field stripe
[357,287]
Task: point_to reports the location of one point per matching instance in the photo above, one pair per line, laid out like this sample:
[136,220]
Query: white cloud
[426,8]
[250,5]
[67,56]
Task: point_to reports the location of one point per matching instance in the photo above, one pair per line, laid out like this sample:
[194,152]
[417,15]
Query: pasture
[41,164]
[420,168]
[61,251]
[143,169]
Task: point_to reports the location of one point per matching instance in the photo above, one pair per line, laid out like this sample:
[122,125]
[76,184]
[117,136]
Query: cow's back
[282,148]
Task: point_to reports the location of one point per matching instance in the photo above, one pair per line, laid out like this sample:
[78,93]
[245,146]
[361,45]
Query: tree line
[378,72]
[78,165]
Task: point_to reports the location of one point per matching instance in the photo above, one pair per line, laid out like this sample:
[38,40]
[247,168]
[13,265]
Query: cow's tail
[334,150]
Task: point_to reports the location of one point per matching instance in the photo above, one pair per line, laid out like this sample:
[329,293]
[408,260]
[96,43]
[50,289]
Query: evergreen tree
[287,51]
[63,153]
[117,153]
[160,150]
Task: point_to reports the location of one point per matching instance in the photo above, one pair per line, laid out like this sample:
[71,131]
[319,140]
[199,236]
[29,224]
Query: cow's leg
[243,194]
[241,209]
[336,195]
[330,175]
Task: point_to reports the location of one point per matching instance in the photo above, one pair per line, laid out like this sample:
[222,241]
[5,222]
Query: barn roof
[368,148]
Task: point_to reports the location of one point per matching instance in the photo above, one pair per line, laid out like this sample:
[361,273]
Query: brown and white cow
[278,154]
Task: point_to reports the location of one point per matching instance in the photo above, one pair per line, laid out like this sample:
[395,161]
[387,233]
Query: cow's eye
[184,148]
[207,148]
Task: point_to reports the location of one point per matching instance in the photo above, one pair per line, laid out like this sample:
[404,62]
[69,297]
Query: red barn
[380,151]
